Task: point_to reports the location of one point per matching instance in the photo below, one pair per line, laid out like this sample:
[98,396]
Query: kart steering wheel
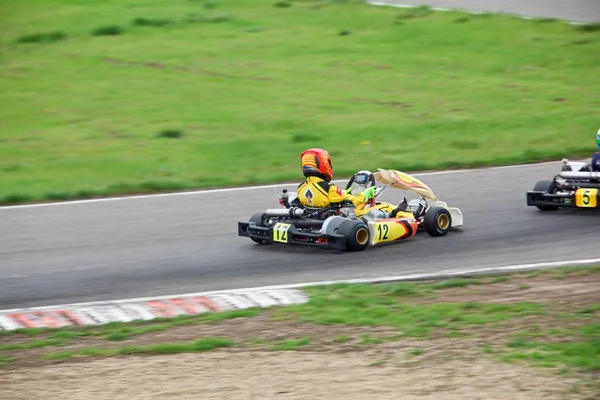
[371,182]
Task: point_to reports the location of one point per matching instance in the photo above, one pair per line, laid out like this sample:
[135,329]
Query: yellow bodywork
[365,208]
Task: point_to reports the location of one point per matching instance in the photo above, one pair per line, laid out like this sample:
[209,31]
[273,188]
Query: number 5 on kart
[586,198]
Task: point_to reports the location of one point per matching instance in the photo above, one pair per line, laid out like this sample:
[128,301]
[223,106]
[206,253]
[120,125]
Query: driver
[596,157]
[317,191]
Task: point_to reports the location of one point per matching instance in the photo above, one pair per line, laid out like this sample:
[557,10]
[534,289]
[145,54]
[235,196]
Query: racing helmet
[317,162]
[598,138]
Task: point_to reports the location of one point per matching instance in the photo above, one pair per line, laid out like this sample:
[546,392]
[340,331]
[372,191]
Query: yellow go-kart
[346,227]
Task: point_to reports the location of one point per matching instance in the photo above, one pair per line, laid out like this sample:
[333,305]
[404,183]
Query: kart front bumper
[548,199]
[580,198]
[291,236]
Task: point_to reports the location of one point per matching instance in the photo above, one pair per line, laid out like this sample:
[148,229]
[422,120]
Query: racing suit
[317,193]
[596,162]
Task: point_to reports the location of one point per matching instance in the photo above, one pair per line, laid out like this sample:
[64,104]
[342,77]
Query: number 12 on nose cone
[280,232]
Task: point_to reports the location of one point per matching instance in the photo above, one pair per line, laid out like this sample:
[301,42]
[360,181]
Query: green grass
[59,355]
[416,352]
[242,87]
[368,339]
[4,360]
[379,305]
[201,345]
[583,353]
[288,345]
[500,279]
[342,339]
[31,345]
[590,309]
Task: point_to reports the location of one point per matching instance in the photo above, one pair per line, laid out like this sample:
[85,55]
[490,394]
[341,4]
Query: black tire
[548,187]
[258,220]
[357,234]
[437,221]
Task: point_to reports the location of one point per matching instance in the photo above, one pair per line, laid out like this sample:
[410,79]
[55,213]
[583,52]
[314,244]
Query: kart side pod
[392,230]
[359,233]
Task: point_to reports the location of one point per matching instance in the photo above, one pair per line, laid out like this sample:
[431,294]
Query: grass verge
[130,100]
[553,323]
[205,344]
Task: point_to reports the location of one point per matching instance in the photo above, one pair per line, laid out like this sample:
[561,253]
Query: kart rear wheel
[437,221]
[259,221]
[357,234]
[548,187]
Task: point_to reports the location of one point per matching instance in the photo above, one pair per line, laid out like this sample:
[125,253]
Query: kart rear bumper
[293,237]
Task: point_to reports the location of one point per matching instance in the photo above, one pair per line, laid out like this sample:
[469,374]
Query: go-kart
[575,186]
[345,227]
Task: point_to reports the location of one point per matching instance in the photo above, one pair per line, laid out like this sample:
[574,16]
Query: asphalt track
[148,246]
[571,10]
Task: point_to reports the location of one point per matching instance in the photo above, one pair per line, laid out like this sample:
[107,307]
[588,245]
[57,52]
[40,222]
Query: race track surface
[570,10]
[188,243]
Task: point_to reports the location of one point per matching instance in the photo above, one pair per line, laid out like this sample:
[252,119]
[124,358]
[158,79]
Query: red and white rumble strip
[98,313]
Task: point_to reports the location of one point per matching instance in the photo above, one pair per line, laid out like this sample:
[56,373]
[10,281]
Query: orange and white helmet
[317,162]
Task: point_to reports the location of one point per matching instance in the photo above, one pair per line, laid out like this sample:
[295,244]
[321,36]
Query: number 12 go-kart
[345,227]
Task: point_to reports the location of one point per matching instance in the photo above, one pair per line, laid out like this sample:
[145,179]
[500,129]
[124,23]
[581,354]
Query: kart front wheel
[437,221]
[357,234]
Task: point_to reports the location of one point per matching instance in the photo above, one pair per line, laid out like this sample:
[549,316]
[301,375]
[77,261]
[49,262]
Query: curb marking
[100,313]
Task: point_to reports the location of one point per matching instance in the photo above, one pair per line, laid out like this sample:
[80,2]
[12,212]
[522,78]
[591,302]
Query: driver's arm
[595,164]
[337,195]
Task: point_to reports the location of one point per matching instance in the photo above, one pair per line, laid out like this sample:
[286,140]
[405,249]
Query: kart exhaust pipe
[309,224]
[288,212]
[579,175]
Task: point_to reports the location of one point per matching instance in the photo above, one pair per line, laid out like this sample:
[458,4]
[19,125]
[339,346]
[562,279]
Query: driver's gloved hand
[349,190]
[369,193]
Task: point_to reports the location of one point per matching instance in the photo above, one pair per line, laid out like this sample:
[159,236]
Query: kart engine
[348,211]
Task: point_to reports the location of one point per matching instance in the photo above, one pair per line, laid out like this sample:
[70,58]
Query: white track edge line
[246,188]
[397,278]
[475,11]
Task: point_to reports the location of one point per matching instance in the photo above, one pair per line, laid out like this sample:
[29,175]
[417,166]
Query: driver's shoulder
[322,183]
[319,184]
[595,163]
